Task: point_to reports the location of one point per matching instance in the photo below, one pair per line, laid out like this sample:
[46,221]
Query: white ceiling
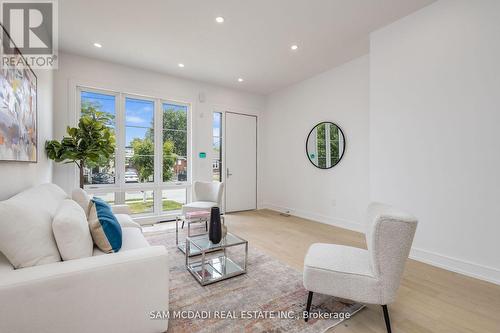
[253,42]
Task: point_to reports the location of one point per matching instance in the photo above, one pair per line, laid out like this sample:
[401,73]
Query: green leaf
[91,140]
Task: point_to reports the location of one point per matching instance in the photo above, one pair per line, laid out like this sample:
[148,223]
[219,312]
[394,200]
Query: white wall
[336,196]
[17,176]
[75,69]
[425,102]
[434,130]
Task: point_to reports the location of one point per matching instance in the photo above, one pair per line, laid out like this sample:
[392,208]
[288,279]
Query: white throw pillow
[82,198]
[71,231]
[26,237]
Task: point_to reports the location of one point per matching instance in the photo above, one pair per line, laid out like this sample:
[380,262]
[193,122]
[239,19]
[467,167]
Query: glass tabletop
[203,243]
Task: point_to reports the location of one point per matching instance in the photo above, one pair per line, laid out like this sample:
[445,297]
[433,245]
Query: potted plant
[91,144]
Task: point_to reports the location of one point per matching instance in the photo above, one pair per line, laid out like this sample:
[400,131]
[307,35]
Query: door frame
[224,151]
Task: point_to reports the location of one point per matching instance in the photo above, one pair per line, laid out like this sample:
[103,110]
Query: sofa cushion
[82,198]
[45,198]
[132,239]
[71,231]
[105,229]
[26,237]
[5,265]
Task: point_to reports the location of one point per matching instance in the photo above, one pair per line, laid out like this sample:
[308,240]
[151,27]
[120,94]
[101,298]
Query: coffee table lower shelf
[193,251]
[215,269]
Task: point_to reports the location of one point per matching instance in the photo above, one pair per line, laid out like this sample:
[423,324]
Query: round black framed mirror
[325,145]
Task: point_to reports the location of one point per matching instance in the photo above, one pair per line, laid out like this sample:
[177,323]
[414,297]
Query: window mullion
[120,155]
[158,158]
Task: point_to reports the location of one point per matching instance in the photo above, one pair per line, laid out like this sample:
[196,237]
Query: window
[90,103]
[173,199]
[174,143]
[328,143]
[150,169]
[108,197]
[217,147]
[139,141]
[140,202]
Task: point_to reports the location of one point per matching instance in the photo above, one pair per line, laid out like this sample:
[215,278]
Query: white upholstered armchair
[206,196]
[368,276]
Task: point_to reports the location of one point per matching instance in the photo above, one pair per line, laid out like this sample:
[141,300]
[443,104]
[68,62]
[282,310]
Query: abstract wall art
[18,109]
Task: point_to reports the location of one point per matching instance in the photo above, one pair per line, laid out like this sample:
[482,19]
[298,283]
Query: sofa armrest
[126,221]
[121,209]
[107,293]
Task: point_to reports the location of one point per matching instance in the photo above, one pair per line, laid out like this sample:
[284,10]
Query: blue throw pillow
[104,227]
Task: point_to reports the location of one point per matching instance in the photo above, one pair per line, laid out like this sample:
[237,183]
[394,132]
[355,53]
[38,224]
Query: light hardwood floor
[430,299]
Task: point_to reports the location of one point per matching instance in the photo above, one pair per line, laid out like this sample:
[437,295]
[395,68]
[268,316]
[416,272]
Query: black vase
[215,228]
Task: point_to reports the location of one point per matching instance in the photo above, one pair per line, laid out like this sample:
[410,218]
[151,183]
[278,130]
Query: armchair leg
[386,317]
[182,226]
[308,306]
[206,226]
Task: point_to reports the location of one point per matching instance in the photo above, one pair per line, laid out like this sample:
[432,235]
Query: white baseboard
[460,266]
[464,267]
[337,222]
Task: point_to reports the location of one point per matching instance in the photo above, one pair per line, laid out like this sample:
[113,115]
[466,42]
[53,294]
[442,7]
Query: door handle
[228,173]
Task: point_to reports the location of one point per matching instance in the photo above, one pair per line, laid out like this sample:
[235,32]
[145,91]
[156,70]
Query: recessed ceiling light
[98,45]
[181,65]
[219,19]
[240,80]
[294,47]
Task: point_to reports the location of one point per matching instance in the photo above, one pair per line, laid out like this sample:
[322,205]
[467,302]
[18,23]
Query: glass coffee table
[214,264]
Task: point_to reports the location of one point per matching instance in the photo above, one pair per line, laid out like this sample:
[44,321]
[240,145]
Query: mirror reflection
[325,145]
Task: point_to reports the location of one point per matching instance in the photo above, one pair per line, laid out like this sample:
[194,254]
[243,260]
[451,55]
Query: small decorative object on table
[215,229]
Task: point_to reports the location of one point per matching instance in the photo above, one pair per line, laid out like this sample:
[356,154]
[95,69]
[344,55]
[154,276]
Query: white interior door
[241,162]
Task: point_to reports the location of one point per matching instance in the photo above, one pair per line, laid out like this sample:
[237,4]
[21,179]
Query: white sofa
[102,293]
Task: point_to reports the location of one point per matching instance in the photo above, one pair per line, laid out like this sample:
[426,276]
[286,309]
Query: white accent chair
[100,293]
[367,276]
[206,196]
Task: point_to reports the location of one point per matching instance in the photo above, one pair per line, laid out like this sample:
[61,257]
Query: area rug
[270,297]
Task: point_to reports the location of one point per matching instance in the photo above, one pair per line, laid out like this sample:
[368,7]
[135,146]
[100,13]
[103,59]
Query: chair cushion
[339,258]
[197,206]
[71,231]
[104,227]
[26,237]
[341,271]
[132,238]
